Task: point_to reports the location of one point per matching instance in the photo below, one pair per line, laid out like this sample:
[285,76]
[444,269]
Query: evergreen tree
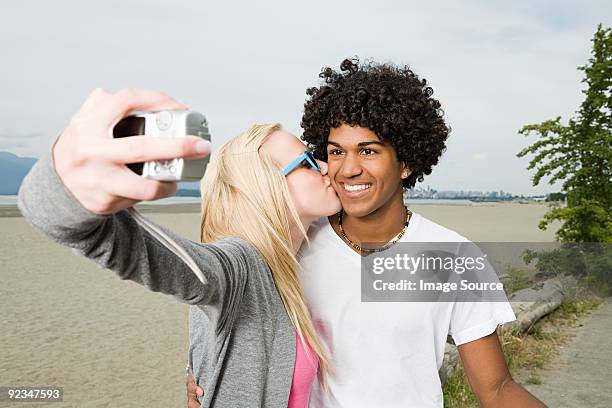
[579,153]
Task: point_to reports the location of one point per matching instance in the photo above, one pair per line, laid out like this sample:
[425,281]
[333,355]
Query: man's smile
[354,190]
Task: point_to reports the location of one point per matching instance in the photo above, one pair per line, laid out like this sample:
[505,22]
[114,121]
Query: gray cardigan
[242,343]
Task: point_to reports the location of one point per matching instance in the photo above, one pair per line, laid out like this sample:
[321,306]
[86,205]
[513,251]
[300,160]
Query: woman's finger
[133,99]
[138,149]
[125,183]
[122,204]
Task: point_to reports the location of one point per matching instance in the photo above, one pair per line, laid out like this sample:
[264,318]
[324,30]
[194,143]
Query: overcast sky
[494,66]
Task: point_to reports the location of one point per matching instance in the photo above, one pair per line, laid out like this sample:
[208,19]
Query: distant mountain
[193,185]
[12,171]
[187,193]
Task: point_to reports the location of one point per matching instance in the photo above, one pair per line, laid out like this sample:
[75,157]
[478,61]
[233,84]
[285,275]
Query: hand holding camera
[92,154]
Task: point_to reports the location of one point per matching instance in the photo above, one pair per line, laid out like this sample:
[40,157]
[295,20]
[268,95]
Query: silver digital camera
[167,123]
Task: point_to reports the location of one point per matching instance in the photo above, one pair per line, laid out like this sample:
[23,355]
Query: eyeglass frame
[306,155]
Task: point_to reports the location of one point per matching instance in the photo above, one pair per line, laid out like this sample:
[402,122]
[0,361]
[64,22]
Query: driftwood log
[529,306]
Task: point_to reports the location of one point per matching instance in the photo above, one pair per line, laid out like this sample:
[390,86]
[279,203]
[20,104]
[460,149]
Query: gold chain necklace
[393,241]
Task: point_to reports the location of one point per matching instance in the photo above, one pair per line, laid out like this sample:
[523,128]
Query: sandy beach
[109,343]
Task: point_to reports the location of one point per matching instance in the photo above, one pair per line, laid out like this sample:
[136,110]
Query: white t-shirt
[384,354]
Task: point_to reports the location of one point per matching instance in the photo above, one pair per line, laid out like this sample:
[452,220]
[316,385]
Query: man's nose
[350,167]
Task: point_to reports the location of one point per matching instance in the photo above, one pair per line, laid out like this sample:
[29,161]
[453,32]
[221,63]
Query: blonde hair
[245,195]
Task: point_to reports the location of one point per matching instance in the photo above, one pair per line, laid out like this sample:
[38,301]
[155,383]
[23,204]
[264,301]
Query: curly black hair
[393,102]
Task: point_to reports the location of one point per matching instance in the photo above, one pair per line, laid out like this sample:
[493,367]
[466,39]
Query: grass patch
[457,392]
[534,379]
[531,351]
[575,309]
[515,280]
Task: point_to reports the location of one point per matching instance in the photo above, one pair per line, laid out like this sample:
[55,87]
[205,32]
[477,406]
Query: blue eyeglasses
[305,159]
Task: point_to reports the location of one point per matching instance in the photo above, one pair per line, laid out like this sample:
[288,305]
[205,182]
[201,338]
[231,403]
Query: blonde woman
[256,344]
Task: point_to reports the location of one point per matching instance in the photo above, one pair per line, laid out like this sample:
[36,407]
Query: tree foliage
[579,153]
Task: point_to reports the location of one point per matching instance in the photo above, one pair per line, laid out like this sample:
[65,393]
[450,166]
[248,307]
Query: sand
[109,343]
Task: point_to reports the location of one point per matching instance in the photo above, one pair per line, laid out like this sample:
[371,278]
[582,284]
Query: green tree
[555,197]
[579,153]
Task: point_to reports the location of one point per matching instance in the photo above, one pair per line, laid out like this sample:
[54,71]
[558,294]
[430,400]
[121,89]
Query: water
[174,200]
[12,200]
[8,200]
[438,201]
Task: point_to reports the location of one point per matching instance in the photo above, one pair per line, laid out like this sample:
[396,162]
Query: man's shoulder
[426,230]
[320,240]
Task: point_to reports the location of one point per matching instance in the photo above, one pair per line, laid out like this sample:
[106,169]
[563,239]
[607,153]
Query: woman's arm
[119,243]
[77,195]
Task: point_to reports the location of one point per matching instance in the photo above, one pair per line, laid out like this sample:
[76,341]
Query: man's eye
[334,152]
[368,152]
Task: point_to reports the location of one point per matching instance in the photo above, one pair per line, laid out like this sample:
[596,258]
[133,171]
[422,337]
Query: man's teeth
[357,187]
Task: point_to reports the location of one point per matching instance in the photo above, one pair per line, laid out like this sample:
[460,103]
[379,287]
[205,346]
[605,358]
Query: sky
[495,66]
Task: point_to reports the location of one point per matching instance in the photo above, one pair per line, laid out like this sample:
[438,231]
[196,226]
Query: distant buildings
[430,193]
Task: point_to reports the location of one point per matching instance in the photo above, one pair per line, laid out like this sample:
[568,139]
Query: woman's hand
[193,392]
[91,163]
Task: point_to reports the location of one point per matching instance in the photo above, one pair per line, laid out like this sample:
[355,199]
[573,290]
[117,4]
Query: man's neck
[378,227]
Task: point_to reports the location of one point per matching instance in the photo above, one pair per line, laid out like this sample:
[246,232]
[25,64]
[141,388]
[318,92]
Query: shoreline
[11,210]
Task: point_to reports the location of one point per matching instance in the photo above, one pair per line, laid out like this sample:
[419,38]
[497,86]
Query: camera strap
[168,242]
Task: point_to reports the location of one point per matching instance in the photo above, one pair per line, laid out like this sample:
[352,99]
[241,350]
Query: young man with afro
[381,131]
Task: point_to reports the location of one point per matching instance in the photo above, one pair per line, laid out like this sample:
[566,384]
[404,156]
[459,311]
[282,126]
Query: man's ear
[405,171]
